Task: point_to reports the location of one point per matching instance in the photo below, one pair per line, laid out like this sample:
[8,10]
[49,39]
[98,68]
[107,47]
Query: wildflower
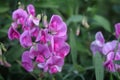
[57,27]
[27,62]
[20,16]
[25,39]
[96,46]
[13,33]
[117,30]
[109,63]
[53,64]
[47,47]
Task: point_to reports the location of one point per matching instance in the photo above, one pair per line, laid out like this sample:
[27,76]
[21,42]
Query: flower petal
[25,39]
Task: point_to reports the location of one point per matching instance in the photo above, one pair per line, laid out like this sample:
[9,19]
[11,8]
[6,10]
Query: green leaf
[73,48]
[75,19]
[117,62]
[102,22]
[14,53]
[3,47]
[98,64]
[3,9]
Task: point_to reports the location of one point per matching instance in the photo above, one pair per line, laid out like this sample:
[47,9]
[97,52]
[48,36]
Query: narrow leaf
[73,48]
[98,64]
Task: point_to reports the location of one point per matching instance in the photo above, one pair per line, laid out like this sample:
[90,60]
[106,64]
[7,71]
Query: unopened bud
[85,23]
[78,31]
[39,16]
[45,21]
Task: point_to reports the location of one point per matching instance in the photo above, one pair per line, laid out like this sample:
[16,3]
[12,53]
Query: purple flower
[60,47]
[53,64]
[31,9]
[40,59]
[117,30]
[96,46]
[27,62]
[109,47]
[109,63]
[47,45]
[57,27]
[13,33]
[63,50]
[32,20]
[34,31]
[33,52]
[20,16]
[25,39]
[40,50]
[42,36]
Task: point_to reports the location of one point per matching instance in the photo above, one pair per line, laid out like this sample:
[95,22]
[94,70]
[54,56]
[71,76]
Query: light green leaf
[98,64]
[3,47]
[73,48]
[102,22]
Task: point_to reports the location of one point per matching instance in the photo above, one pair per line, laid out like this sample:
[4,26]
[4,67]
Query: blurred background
[83,18]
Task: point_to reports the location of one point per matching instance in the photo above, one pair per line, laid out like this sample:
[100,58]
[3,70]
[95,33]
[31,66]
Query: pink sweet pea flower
[40,50]
[117,30]
[108,47]
[44,50]
[96,46]
[13,33]
[60,47]
[27,62]
[63,50]
[57,27]
[42,36]
[34,31]
[20,16]
[31,9]
[40,59]
[32,20]
[109,63]
[25,39]
[53,64]
[49,48]
[33,52]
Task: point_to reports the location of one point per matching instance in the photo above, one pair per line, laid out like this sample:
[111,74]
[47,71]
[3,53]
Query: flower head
[96,46]
[47,46]
[27,62]
[13,33]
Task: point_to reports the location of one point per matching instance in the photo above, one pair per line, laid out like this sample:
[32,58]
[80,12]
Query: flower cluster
[47,45]
[109,49]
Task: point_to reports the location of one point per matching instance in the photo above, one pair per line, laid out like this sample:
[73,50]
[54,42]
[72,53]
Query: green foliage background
[100,15]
